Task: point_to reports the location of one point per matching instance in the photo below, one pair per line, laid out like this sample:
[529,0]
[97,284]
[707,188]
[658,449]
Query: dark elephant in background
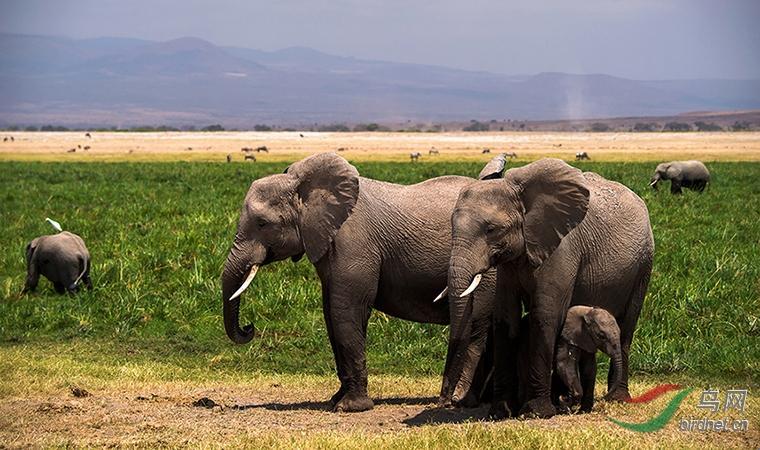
[61,258]
[688,174]
[374,245]
[559,238]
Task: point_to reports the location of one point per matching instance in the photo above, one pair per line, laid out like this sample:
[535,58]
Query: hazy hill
[185,81]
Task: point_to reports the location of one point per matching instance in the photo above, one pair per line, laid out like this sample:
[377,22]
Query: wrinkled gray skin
[586,330]
[374,245]
[61,258]
[559,238]
[688,174]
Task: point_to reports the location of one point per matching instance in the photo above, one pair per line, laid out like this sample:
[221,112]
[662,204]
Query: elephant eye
[490,228]
[262,223]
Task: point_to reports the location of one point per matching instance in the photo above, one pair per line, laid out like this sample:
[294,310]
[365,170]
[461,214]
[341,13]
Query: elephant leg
[550,303]
[587,367]
[32,278]
[331,335]
[627,328]
[675,187]
[506,329]
[349,313]
[59,287]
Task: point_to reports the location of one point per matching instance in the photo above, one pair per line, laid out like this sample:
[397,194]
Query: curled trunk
[232,278]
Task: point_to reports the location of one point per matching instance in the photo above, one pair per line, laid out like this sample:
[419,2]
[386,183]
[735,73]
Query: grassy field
[159,232]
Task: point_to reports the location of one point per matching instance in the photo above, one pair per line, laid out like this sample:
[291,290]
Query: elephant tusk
[247,282]
[442,294]
[653,183]
[473,285]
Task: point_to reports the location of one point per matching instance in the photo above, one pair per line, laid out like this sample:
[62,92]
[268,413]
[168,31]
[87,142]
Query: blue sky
[640,39]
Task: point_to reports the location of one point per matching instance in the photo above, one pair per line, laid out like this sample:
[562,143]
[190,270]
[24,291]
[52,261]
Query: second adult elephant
[559,238]
[688,174]
[373,244]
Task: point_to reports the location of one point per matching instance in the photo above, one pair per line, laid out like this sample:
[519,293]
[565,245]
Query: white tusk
[442,294]
[473,285]
[653,183]
[247,282]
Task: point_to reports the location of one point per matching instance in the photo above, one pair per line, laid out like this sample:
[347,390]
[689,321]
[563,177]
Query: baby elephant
[62,258]
[586,330]
[689,174]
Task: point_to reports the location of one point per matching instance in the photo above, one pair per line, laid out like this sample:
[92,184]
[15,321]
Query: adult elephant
[558,237]
[62,258]
[689,174]
[373,244]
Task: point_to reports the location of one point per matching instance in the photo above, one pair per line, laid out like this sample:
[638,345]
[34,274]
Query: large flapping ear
[555,200]
[494,169]
[30,248]
[328,187]
[673,171]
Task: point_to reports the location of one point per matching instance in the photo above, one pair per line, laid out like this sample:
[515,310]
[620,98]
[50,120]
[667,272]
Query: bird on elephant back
[375,245]
[557,237]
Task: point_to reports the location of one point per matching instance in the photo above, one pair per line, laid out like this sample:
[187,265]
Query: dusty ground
[290,412]
[379,146]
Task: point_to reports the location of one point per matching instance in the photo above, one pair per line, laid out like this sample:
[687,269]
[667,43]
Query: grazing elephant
[689,174]
[62,258]
[558,238]
[586,330]
[373,244]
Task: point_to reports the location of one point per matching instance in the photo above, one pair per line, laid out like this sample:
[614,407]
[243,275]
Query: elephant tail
[83,266]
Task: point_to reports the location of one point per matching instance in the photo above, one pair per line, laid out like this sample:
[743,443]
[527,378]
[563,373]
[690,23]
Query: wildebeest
[250,157]
[581,156]
[433,151]
[486,150]
[87,147]
[246,149]
[5,139]
[87,135]
[71,150]
[229,157]
[300,134]
[414,156]
[510,155]
[189,148]
[263,148]
[342,149]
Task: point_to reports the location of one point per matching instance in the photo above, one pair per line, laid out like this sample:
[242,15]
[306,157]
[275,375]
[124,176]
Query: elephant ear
[494,169]
[673,171]
[30,248]
[555,200]
[328,187]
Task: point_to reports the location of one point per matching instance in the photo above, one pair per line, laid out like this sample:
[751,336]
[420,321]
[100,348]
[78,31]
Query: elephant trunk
[237,266]
[616,360]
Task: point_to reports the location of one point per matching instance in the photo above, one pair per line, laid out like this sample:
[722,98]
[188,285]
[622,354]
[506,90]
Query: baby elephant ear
[328,187]
[555,200]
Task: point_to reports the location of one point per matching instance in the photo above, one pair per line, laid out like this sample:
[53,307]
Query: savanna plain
[142,360]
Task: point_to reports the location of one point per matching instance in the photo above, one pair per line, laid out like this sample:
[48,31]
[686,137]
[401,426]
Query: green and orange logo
[662,419]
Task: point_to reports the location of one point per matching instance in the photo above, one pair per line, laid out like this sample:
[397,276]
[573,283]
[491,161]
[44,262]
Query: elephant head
[284,216]
[587,329]
[664,171]
[523,216]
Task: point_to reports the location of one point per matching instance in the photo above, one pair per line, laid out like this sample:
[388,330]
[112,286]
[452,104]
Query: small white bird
[54,224]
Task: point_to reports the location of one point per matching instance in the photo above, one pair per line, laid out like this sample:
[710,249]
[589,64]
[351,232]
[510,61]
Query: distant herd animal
[580,156]
[415,156]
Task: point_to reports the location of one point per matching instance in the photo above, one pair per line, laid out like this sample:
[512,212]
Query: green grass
[159,233]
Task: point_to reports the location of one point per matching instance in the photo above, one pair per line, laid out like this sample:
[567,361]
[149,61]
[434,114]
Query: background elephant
[559,238]
[586,330]
[689,174]
[373,244]
[62,258]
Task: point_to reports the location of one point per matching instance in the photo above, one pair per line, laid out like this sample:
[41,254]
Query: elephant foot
[500,410]
[337,396]
[618,395]
[469,401]
[444,402]
[354,403]
[541,408]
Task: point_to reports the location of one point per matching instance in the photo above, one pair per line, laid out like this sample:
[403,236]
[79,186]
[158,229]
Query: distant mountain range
[189,81]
